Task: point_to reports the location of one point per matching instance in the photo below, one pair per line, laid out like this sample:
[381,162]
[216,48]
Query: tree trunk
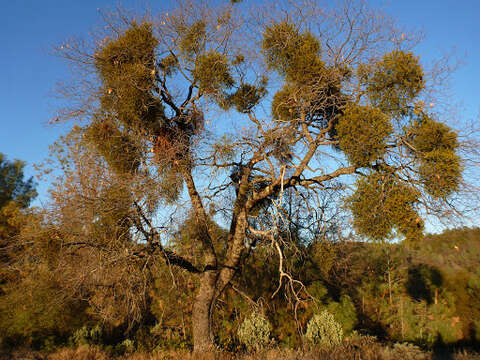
[204,301]
[212,283]
[202,313]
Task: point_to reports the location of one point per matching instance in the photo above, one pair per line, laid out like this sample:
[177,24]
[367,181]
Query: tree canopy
[13,186]
[16,193]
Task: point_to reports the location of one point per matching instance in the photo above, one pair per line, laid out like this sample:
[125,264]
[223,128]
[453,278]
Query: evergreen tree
[16,193]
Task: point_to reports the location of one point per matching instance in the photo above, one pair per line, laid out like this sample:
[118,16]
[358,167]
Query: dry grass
[81,353]
[363,348]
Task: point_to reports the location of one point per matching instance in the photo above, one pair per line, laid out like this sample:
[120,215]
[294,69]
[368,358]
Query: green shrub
[344,313]
[87,335]
[127,346]
[322,329]
[254,332]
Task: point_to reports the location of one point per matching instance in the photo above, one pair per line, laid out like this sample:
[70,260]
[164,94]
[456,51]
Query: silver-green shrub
[254,332]
[322,329]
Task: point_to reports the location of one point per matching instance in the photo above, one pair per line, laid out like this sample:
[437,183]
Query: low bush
[87,336]
[254,332]
[322,329]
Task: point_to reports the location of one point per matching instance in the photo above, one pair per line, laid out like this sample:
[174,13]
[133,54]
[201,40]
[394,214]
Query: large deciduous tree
[236,115]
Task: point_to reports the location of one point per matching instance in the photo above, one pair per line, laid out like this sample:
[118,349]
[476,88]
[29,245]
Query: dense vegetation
[428,295]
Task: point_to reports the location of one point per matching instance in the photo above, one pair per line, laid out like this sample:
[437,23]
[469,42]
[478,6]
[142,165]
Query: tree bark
[234,252]
[203,311]
[205,298]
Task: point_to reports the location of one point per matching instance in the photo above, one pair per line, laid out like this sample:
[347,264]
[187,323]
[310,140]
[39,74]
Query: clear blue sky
[28,71]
